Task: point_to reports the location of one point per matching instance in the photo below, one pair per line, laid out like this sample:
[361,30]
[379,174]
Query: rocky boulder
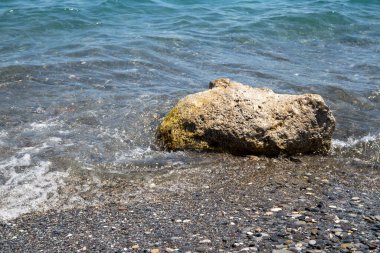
[236,118]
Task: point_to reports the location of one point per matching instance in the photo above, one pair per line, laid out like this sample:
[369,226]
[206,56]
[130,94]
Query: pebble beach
[260,205]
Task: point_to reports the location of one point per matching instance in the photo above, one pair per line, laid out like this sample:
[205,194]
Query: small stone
[346,246]
[202,249]
[170,250]
[205,241]
[281,251]
[373,246]
[249,233]
[237,244]
[332,207]
[300,223]
[312,242]
[155,251]
[136,246]
[276,209]
[355,198]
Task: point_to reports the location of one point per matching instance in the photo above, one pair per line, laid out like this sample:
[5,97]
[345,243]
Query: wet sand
[298,204]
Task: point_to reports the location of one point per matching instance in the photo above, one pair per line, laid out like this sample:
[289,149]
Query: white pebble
[276,209]
[205,241]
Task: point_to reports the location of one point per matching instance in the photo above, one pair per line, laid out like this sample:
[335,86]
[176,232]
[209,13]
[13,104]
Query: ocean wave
[26,186]
[366,148]
[350,142]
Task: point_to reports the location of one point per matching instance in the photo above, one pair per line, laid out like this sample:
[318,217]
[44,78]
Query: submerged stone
[236,118]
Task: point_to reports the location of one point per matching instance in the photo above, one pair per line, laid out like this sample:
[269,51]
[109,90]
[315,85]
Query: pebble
[346,246]
[281,251]
[202,249]
[136,246]
[155,251]
[276,209]
[205,241]
[312,242]
[300,223]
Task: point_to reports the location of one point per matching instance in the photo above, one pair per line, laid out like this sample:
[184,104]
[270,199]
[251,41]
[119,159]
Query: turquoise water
[83,84]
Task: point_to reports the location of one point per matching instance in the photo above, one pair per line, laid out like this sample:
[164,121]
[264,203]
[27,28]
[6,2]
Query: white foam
[3,134]
[115,134]
[27,185]
[42,125]
[35,188]
[25,160]
[350,142]
[131,155]
[55,140]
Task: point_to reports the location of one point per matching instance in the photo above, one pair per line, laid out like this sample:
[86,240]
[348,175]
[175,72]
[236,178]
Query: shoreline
[302,204]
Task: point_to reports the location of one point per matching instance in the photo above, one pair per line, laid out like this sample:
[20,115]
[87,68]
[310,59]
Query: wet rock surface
[305,204]
[236,118]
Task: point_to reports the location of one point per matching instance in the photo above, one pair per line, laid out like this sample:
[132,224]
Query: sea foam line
[350,142]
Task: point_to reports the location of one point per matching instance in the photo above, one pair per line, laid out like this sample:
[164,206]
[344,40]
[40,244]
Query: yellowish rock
[236,118]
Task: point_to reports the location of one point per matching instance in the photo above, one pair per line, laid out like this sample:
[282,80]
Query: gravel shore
[302,204]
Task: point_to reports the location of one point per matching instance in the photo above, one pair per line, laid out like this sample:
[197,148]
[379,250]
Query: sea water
[84,84]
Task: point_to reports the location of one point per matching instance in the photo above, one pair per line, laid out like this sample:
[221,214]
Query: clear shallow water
[83,84]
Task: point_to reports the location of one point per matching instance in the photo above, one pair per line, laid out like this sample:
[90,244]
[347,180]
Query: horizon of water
[84,84]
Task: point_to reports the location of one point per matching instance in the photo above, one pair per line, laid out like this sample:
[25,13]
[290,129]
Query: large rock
[236,118]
